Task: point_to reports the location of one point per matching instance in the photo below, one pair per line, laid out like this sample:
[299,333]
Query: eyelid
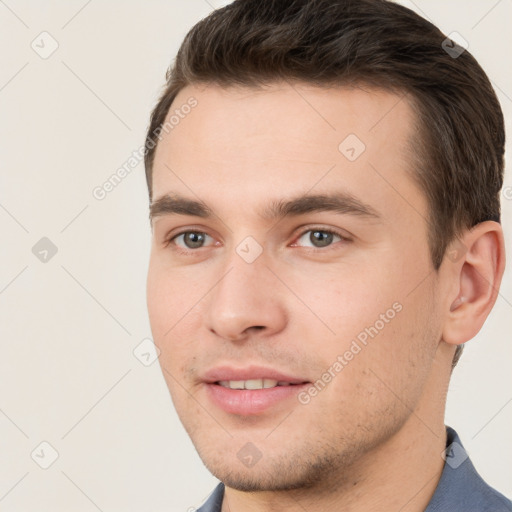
[334,231]
[195,232]
[172,235]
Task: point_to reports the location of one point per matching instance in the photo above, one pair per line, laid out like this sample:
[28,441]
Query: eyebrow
[174,204]
[339,202]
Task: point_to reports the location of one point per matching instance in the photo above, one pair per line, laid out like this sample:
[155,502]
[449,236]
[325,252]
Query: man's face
[338,301]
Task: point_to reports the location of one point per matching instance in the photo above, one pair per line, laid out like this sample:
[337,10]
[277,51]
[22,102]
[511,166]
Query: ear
[478,259]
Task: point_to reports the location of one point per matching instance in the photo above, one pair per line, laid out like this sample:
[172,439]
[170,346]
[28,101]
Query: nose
[246,301]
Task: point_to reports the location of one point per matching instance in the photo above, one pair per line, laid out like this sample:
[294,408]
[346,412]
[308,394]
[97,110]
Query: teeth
[252,384]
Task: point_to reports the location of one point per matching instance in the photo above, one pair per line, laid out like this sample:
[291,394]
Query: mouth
[253,384]
[251,391]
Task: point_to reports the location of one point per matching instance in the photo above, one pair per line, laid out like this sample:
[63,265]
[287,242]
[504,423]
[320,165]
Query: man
[324,179]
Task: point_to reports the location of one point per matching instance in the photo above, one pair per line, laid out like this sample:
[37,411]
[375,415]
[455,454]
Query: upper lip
[222,373]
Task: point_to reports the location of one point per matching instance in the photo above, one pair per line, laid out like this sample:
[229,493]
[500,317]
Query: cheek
[159,302]
[348,299]
[375,322]
[171,295]
[172,300]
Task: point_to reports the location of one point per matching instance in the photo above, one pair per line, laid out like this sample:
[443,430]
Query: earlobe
[477,278]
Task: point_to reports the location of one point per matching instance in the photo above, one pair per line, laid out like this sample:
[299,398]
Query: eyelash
[181,250]
[321,230]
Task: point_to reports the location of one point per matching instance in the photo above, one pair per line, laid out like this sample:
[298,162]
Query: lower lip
[246,402]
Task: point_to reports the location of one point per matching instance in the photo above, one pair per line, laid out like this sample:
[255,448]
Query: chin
[283,472]
[261,481]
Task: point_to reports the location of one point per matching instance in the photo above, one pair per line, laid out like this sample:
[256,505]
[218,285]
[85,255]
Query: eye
[318,238]
[191,239]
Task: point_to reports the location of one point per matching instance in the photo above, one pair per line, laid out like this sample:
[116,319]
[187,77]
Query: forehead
[285,113]
[284,139]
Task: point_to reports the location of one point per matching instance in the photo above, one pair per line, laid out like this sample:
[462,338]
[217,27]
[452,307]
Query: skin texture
[372,438]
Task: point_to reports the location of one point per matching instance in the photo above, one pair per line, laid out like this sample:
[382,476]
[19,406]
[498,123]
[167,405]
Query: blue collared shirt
[460,489]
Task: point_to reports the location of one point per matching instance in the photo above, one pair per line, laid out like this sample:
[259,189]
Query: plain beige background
[70,324]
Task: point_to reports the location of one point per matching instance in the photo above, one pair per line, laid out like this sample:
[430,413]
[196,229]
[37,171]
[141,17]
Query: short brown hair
[461,139]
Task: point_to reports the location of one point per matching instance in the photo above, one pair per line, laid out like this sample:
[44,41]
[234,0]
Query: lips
[252,383]
[251,390]
[249,373]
